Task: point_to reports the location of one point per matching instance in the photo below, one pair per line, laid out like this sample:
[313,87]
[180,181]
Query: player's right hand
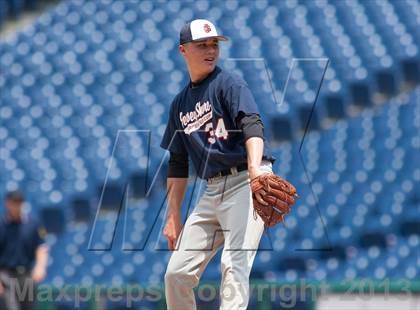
[1,289]
[172,230]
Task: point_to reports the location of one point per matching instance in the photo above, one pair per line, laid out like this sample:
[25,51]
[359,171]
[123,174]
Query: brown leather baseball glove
[277,193]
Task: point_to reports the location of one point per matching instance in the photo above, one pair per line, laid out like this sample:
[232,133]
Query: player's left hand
[38,274]
[279,195]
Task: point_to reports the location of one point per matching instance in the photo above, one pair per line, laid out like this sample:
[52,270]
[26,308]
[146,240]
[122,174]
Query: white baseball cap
[198,30]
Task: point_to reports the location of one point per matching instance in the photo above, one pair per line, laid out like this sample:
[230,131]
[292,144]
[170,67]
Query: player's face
[14,208]
[202,56]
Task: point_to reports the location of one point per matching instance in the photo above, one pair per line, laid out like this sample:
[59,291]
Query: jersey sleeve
[172,140]
[239,98]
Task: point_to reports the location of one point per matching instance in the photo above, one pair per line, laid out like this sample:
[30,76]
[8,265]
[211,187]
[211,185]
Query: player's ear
[182,49]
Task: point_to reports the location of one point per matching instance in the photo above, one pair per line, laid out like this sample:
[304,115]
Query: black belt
[226,172]
[15,270]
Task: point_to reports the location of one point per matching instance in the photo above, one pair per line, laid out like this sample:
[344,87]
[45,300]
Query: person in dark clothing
[23,255]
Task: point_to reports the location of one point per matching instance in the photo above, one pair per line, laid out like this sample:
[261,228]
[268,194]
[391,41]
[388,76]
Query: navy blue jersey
[202,123]
[19,241]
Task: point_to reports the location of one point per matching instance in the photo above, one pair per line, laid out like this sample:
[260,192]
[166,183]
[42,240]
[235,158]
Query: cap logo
[207,28]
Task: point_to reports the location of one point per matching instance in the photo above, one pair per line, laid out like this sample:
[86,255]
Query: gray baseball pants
[19,291]
[223,216]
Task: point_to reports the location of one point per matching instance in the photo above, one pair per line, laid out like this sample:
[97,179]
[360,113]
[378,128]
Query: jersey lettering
[220,132]
[209,129]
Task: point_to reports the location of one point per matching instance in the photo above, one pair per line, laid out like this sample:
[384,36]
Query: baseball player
[215,123]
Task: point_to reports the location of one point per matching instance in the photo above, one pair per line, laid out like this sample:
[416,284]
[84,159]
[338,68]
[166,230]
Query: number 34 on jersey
[219,133]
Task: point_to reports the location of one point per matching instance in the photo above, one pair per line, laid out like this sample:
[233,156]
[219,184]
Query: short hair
[16,196]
